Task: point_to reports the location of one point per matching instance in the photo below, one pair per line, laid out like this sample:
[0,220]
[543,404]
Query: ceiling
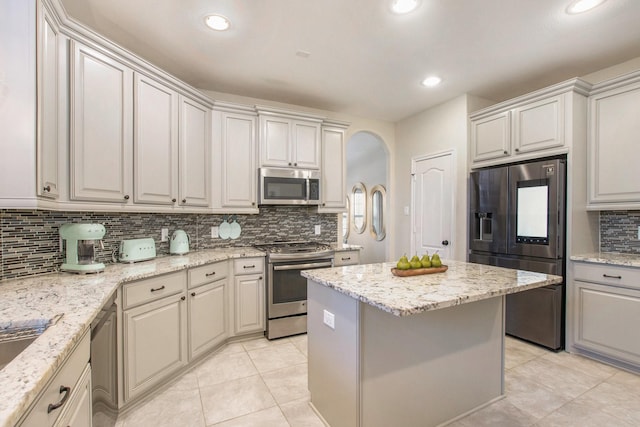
[362,59]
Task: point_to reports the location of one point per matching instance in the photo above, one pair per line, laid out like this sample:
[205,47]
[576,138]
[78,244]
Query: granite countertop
[626,260]
[78,298]
[401,296]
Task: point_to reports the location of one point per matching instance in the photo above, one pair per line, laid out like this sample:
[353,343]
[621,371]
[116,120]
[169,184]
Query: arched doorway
[368,167]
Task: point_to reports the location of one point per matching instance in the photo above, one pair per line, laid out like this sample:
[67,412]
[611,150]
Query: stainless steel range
[286,288]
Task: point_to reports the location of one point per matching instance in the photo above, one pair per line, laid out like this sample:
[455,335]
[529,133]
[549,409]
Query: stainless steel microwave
[282,186]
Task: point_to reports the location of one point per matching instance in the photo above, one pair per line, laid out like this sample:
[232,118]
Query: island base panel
[376,369]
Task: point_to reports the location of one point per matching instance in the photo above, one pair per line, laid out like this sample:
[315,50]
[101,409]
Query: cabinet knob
[183,298]
[295,164]
[126,197]
[517,149]
[260,278]
[173,200]
[445,243]
[289,163]
[505,152]
[184,200]
[47,188]
[193,294]
[253,203]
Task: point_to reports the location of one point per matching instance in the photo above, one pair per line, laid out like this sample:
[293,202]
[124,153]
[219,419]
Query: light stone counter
[462,283]
[627,260]
[78,298]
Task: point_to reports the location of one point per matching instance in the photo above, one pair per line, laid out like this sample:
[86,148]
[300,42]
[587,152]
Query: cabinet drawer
[208,273]
[67,376]
[248,266]
[628,277]
[606,320]
[346,258]
[153,289]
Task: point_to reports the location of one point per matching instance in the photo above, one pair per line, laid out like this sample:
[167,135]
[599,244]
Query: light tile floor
[262,383]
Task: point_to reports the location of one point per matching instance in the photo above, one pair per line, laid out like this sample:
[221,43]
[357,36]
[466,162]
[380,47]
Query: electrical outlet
[164,234]
[317,229]
[214,232]
[406,210]
[329,319]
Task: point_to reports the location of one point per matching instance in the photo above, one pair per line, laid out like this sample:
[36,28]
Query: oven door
[536,209]
[287,289]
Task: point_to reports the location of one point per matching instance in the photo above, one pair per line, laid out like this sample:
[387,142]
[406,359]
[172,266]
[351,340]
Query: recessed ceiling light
[431,81]
[404,6]
[579,6]
[217,22]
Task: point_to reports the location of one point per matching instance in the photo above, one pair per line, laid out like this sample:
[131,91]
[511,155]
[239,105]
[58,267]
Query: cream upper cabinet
[333,188]
[539,125]
[101,127]
[491,136]
[289,141]
[48,40]
[155,142]
[534,125]
[613,147]
[194,152]
[234,158]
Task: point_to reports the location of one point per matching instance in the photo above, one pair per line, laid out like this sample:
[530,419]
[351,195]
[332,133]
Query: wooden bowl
[418,271]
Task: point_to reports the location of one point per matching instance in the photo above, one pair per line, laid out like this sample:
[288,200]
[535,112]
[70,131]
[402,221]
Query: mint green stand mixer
[80,247]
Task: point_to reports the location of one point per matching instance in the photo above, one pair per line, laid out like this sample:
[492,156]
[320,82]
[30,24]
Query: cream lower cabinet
[342,258]
[154,332]
[67,397]
[249,296]
[208,307]
[607,312]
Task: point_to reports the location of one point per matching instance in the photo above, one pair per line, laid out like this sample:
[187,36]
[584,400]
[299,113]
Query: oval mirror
[345,222]
[359,207]
[378,200]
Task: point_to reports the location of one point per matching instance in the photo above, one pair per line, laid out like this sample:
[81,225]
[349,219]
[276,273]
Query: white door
[432,202]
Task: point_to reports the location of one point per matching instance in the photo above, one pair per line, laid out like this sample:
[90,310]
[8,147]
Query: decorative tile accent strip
[30,241]
[619,231]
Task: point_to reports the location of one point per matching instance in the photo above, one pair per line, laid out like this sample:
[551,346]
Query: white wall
[437,129]
[17,99]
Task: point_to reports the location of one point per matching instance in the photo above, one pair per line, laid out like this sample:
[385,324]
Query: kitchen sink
[14,338]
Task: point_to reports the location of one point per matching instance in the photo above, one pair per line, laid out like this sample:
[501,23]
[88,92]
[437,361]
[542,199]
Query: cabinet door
[78,411]
[207,317]
[101,127]
[195,143]
[605,321]
[305,140]
[239,172]
[333,171]
[491,137]
[539,125]
[275,135]
[47,120]
[156,142]
[613,149]
[249,304]
[155,343]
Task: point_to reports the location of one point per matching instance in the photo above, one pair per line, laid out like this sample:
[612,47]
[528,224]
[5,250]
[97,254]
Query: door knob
[445,243]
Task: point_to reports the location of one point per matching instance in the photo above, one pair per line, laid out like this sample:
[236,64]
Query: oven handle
[302,266]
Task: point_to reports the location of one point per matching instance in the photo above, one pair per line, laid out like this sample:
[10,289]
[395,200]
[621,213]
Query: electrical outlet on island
[317,229]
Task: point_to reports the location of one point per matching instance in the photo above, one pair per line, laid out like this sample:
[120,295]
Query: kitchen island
[410,351]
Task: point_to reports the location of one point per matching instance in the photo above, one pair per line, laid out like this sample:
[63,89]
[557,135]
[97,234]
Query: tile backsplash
[619,231]
[30,242]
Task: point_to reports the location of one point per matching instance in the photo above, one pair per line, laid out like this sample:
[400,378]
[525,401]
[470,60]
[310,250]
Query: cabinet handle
[608,276]
[182,298]
[173,200]
[505,152]
[157,289]
[47,188]
[346,259]
[193,294]
[126,197]
[210,274]
[248,266]
[54,406]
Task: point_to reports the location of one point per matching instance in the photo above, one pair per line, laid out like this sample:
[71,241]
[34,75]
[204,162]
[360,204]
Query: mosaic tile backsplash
[30,242]
[619,231]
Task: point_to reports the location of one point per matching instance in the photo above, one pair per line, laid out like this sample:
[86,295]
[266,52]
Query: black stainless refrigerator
[517,220]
